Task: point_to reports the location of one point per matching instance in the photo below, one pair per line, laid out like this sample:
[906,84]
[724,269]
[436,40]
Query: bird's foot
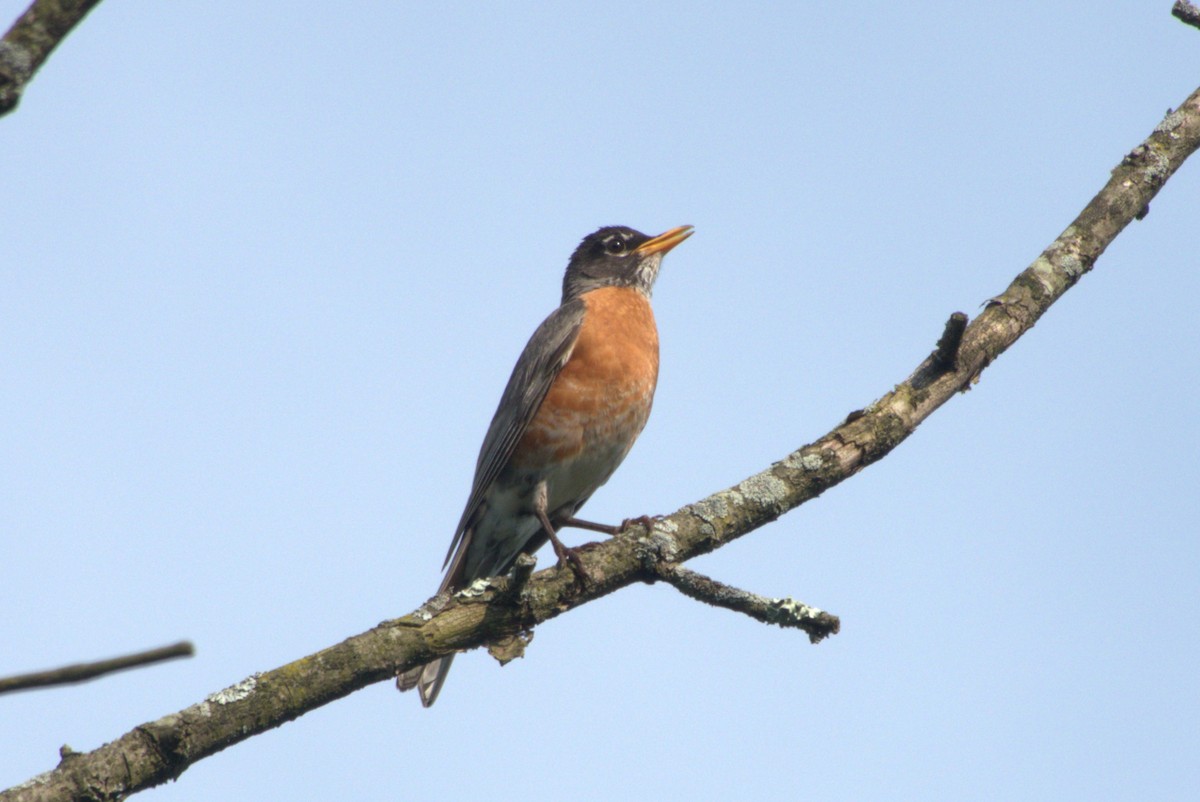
[569,557]
[644,520]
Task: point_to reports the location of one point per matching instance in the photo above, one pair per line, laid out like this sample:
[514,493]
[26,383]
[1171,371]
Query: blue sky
[266,272]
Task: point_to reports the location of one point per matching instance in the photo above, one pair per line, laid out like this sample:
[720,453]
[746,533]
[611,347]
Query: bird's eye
[615,245]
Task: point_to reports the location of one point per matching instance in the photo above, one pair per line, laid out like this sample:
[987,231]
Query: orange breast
[601,399]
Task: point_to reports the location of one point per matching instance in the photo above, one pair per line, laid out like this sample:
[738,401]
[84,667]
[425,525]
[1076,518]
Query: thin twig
[783,612]
[81,672]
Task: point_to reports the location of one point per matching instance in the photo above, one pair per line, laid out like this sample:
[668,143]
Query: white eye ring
[614,245]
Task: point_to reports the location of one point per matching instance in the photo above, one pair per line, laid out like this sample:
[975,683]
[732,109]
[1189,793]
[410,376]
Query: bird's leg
[645,520]
[566,556]
[606,529]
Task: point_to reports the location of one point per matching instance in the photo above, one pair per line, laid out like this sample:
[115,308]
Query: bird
[576,401]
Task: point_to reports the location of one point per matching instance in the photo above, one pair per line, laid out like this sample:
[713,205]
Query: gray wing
[542,360]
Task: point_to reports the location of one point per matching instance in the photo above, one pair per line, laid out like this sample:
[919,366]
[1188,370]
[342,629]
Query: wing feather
[542,360]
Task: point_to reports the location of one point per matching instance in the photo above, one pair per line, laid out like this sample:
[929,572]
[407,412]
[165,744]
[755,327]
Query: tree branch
[31,40]
[80,672]
[507,608]
[783,612]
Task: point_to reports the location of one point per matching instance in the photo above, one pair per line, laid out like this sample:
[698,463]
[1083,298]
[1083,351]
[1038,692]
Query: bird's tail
[427,679]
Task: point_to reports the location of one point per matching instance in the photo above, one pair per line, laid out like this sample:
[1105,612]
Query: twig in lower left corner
[80,672]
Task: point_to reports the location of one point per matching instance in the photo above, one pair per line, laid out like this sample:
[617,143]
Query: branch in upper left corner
[31,40]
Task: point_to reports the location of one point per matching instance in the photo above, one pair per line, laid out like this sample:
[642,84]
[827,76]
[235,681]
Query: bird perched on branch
[577,399]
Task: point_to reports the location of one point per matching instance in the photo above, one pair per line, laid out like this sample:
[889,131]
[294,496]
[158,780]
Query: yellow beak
[664,241]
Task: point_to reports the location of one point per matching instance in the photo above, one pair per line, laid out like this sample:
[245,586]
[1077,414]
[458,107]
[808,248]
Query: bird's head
[618,256]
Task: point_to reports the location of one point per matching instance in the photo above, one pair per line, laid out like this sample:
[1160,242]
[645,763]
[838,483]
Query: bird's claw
[644,520]
[570,558]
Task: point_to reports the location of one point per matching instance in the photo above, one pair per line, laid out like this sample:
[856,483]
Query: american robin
[577,399]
